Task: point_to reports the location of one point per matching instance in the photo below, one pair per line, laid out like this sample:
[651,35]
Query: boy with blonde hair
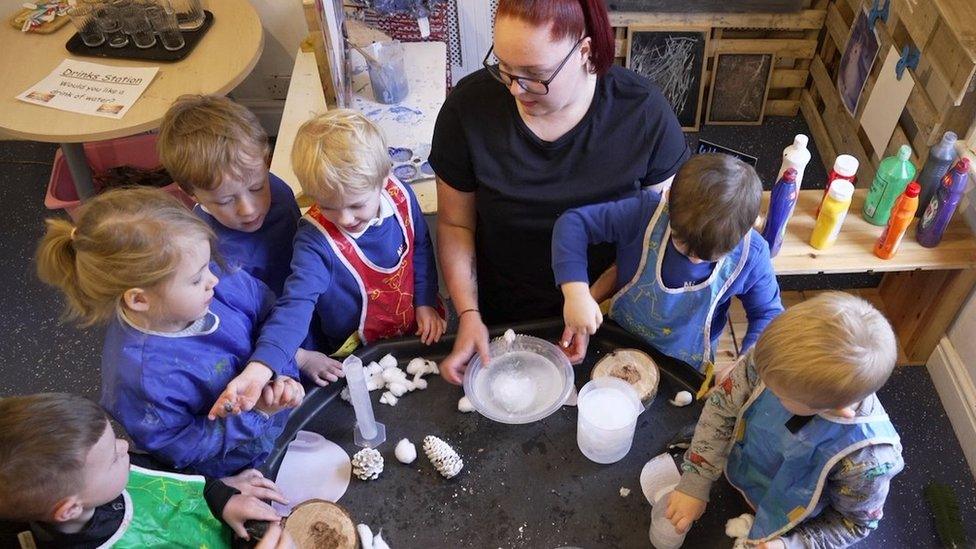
[363,261]
[798,429]
[218,153]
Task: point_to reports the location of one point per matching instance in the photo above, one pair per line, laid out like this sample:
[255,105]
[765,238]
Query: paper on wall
[887,101]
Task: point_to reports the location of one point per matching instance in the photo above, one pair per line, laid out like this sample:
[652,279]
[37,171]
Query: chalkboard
[693,6]
[675,61]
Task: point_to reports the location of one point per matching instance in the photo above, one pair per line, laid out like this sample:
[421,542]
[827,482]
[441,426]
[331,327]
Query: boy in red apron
[798,429]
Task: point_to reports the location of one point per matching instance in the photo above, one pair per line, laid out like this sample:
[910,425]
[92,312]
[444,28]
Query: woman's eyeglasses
[531,85]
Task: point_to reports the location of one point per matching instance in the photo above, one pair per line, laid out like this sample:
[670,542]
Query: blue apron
[676,321]
[781,474]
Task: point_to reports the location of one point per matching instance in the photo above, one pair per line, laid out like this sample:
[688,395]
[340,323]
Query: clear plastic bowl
[549,396]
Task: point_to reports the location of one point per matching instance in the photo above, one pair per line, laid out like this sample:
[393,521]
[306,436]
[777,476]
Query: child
[363,260]
[141,262]
[680,261]
[798,429]
[64,474]
[218,153]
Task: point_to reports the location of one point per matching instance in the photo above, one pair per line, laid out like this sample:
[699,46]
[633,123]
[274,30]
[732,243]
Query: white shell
[398,388]
[417,365]
[378,542]
[388,362]
[464,405]
[683,398]
[365,536]
[739,526]
[367,464]
[447,462]
[405,451]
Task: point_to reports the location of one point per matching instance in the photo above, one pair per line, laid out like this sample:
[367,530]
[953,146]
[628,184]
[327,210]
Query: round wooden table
[222,59]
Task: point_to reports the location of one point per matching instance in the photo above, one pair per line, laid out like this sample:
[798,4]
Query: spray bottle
[894,174]
[941,157]
[901,217]
[943,204]
[781,204]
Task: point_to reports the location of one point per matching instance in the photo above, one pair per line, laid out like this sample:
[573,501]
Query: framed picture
[674,59]
[740,85]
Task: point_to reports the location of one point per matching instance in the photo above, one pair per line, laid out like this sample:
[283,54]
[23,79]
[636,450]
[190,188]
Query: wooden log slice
[635,367]
[322,524]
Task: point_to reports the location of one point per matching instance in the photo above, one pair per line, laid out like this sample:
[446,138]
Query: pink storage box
[138,151]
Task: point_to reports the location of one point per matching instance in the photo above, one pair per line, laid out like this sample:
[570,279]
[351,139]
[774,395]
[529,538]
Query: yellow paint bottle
[832,214]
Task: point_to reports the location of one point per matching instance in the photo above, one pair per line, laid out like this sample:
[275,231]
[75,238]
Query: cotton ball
[739,526]
[374,368]
[374,383]
[405,451]
[388,362]
[398,388]
[509,336]
[683,398]
[464,405]
[419,383]
[416,366]
[344,395]
[624,492]
[393,375]
[388,398]
[378,542]
[431,367]
[365,536]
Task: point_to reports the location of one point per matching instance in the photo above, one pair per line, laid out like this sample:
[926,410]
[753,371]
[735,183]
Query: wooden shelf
[853,251]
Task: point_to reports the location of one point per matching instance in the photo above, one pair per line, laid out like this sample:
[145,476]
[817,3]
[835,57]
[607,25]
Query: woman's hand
[243,392]
[683,510]
[430,325]
[282,394]
[319,368]
[472,337]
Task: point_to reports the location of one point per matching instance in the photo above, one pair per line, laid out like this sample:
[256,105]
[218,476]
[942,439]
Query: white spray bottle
[795,156]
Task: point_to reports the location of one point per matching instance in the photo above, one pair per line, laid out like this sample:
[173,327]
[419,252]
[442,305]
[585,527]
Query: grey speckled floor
[38,353]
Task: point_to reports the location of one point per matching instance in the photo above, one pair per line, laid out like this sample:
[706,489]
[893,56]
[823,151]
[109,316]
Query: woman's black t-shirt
[629,138]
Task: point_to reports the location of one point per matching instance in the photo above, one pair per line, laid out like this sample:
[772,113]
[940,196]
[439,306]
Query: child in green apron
[64,474]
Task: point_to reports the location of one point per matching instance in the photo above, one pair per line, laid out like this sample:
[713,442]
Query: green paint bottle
[894,174]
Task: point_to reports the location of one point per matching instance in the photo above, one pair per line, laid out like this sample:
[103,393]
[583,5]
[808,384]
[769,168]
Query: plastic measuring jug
[387,75]
[608,409]
[368,432]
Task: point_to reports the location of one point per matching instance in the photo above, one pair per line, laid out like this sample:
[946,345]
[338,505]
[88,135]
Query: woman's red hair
[569,19]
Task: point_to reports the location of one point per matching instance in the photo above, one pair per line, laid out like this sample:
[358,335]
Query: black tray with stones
[156,53]
[522,485]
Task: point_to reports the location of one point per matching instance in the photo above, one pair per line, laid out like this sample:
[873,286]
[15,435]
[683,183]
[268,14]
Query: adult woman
[550,126]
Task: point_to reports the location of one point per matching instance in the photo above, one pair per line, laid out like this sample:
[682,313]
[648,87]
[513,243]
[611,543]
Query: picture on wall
[856,62]
[740,84]
[674,59]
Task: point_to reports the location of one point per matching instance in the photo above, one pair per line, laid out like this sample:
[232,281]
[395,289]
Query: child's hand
[430,325]
[283,393]
[276,538]
[243,392]
[574,345]
[581,312]
[777,543]
[683,510]
[252,483]
[318,367]
[240,508]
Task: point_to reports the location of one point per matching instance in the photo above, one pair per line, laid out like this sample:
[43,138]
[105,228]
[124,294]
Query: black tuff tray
[522,485]
[130,51]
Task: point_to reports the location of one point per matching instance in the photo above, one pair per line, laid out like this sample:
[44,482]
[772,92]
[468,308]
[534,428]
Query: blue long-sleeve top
[266,253]
[624,223]
[321,285]
[160,387]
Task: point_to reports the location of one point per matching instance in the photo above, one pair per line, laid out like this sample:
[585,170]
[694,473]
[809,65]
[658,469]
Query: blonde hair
[124,238]
[828,352]
[337,152]
[206,137]
[44,442]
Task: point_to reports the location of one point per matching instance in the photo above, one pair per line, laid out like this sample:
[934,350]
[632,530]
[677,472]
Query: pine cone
[367,464]
[447,462]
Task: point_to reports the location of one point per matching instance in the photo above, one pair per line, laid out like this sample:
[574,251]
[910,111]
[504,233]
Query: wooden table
[222,59]
[922,288]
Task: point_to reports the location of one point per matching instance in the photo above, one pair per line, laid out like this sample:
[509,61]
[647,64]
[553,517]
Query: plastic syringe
[368,432]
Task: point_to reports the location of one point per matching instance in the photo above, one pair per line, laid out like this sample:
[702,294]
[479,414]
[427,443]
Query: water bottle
[795,156]
[894,174]
[943,204]
[781,205]
[940,159]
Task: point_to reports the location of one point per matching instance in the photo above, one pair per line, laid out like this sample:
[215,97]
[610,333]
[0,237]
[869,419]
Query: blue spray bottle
[781,205]
[939,211]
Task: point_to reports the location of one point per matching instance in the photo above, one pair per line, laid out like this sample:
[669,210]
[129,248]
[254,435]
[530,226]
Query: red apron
[387,294]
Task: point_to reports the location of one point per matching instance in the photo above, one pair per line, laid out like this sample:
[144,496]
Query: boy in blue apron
[680,260]
[66,482]
[798,429]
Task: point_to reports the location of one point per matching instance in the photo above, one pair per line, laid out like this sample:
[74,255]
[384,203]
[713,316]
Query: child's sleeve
[217,494]
[705,458]
[424,264]
[286,327]
[578,228]
[761,300]
[857,488]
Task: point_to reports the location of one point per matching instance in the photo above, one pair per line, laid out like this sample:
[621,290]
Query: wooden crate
[791,37]
[942,99]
